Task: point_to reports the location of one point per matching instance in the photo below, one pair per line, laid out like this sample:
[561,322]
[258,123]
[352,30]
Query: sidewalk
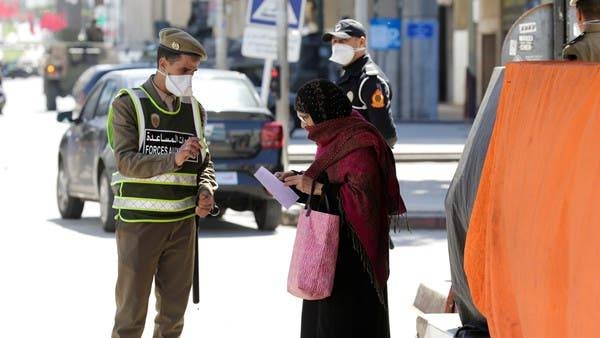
[438,143]
[417,142]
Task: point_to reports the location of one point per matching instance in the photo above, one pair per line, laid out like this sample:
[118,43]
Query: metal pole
[361,11]
[221,38]
[266,82]
[283,111]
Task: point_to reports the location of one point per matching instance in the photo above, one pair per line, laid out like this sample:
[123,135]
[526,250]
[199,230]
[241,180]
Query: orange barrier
[533,245]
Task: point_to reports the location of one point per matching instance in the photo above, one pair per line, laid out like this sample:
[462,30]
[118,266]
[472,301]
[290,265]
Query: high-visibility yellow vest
[171,196]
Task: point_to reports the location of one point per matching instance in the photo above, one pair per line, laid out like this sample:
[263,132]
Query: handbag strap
[312,192]
[308,201]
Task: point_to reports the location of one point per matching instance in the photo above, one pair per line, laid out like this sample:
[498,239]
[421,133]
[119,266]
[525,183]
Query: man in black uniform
[585,47]
[362,80]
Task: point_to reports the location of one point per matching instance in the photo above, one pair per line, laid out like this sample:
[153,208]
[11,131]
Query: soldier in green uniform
[165,177]
[363,82]
[585,47]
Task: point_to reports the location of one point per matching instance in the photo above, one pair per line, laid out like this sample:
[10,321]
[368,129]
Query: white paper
[284,195]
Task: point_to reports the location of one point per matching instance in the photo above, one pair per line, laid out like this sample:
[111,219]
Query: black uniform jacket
[369,90]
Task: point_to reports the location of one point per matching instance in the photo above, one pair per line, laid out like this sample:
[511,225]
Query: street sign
[264,13]
[260,34]
[261,42]
[420,30]
[384,34]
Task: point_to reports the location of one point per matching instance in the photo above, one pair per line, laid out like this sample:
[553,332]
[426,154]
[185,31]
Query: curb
[429,220]
[403,157]
[433,220]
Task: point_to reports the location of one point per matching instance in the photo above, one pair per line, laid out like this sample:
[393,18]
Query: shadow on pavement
[209,228]
[86,225]
[215,228]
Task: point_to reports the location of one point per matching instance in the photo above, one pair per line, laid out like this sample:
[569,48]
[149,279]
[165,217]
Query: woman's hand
[283,175]
[303,183]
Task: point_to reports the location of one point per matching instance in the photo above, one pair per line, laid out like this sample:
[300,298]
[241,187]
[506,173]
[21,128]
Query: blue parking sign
[384,34]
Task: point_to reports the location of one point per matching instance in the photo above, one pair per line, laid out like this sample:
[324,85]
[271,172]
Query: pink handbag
[312,268]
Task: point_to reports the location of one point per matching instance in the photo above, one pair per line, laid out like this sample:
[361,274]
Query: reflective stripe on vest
[170,179]
[146,204]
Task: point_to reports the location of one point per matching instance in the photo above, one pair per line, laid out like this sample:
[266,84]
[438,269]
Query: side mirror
[65,116]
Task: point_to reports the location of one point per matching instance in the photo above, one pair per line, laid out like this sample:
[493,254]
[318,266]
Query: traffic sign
[260,34]
[261,42]
[384,34]
[264,13]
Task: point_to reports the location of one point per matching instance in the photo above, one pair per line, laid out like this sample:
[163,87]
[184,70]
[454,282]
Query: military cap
[345,29]
[180,41]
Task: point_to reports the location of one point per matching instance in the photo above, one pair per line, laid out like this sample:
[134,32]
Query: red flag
[53,22]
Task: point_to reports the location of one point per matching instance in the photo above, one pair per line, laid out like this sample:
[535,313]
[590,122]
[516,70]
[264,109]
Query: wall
[489,27]
[420,60]
[135,32]
[460,51]
[335,10]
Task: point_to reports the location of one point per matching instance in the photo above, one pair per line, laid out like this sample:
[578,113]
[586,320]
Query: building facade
[453,66]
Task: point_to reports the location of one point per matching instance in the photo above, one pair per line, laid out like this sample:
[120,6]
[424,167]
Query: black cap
[345,29]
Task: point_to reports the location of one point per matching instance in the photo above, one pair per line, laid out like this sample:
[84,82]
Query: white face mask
[343,54]
[178,85]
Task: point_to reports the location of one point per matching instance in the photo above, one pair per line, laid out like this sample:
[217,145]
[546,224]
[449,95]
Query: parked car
[242,136]
[90,76]
[14,70]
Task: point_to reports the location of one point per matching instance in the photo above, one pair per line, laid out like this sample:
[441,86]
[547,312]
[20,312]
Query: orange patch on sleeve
[377,99]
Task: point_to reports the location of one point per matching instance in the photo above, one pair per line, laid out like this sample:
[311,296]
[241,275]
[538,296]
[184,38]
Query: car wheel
[268,215]
[69,207]
[51,94]
[107,213]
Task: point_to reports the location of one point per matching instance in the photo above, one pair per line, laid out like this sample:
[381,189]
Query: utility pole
[221,38]
[361,12]
[283,111]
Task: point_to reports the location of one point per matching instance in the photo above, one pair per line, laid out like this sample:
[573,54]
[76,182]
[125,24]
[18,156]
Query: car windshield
[218,93]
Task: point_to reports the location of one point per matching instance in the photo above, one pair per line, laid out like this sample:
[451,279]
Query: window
[108,93]
[89,108]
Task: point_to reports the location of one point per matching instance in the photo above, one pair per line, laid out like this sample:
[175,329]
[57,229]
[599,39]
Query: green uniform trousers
[165,252]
